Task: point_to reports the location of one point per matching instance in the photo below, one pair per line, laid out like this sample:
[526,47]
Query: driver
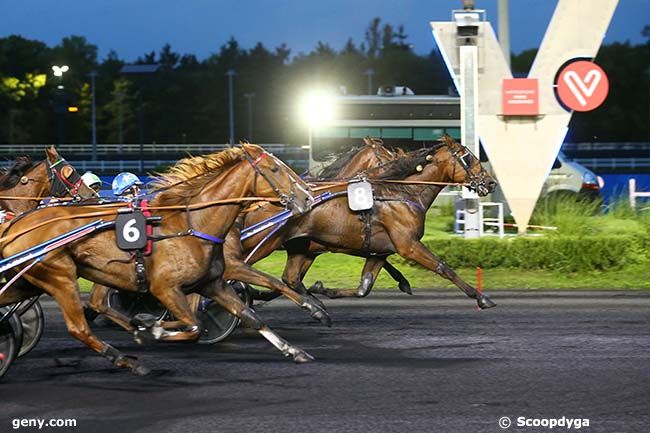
[92,181]
[127,185]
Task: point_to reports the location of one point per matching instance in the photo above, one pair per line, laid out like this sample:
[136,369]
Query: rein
[114,211]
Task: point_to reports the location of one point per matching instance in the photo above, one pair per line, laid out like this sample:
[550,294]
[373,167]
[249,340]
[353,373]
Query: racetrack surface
[390,363]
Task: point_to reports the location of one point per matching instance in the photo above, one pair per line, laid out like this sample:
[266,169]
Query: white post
[632,191]
[468,55]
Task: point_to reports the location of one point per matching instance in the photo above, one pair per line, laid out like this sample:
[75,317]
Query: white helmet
[91,180]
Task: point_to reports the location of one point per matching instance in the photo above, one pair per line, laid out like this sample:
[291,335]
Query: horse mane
[407,164]
[188,176]
[332,170]
[18,169]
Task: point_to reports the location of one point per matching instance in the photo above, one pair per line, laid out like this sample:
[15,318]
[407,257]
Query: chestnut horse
[53,176]
[394,225]
[372,155]
[187,258]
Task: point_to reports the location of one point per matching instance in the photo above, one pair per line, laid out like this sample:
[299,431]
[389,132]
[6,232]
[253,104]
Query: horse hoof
[317,301]
[140,370]
[317,287]
[322,317]
[302,357]
[484,302]
[144,320]
[406,288]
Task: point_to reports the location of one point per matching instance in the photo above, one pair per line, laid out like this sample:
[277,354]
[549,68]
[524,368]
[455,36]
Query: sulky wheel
[216,323]
[130,304]
[11,338]
[8,347]
[32,320]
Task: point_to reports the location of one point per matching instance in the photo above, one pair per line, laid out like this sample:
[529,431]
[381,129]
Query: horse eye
[275,169]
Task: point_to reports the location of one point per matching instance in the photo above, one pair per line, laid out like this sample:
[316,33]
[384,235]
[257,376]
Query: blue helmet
[124,181]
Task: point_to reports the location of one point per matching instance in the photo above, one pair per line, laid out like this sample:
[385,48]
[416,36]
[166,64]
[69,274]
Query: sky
[200,27]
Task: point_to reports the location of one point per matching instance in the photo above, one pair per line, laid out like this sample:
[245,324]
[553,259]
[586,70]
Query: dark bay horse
[372,158]
[187,258]
[395,224]
[53,176]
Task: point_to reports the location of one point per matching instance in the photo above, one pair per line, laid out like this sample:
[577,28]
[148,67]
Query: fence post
[632,192]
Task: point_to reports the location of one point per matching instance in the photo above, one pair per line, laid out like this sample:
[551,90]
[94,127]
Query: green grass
[341,271]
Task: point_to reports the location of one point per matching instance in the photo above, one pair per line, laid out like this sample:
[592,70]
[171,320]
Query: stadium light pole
[60,105]
[231,106]
[317,109]
[369,72]
[93,74]
[249,97]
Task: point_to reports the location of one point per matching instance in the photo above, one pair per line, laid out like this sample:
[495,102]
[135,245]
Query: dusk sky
[200,27]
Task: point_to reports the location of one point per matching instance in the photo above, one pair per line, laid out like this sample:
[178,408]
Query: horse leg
[98,304]
[294,272]
[177,304]
[414,250]
[402,282]
[368,277]
[62,285]
[226,296]
[249,275]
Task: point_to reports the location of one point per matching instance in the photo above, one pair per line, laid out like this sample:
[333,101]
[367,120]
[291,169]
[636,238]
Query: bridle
[287,200]
[463,157]
[60,185]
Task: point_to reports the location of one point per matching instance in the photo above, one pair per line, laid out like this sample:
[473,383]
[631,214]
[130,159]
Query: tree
[373,38]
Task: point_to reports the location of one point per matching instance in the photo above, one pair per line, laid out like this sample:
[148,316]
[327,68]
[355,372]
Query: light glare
[317,109]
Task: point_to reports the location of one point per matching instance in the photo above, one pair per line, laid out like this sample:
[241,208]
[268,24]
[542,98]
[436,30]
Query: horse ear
[66,171]
[419,168]
[51,153]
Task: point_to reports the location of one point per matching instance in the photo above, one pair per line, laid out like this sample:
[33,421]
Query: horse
[25,182]
[394,225]
[198,200]
[372,158]
[371,155]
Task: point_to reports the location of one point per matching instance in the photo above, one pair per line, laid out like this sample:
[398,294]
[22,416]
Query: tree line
[185,100]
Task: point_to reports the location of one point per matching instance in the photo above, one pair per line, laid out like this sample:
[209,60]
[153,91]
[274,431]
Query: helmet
[91,179]
[124,181]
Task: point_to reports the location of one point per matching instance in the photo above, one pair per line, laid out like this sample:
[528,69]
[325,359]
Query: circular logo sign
[582,85]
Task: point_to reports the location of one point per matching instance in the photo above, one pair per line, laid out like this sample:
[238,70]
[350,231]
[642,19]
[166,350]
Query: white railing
[106,149]
[634,193]
[597,164]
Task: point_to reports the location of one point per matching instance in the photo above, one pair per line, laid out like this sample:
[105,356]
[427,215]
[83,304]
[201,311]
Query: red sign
[520,97]
[582,85]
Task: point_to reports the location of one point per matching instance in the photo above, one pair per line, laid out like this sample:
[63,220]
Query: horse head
[63,178]
[274,176]
[462,166]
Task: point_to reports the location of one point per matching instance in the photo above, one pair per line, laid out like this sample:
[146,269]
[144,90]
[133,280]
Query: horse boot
[365,286]
[484,302]
[144,325]
[300,288]
[121,360]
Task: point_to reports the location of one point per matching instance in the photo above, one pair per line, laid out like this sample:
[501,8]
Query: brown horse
[394,225]
[370,159]
[51,177]
[372,155]
[187,258]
